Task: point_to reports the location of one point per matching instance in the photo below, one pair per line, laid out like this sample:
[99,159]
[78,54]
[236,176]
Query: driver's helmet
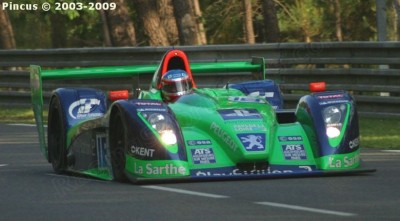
[174,84]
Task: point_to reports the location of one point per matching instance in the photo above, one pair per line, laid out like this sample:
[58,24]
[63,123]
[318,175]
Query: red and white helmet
[174,84]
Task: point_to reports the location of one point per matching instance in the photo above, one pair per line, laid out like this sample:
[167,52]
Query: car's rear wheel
[56,136]
[118,137]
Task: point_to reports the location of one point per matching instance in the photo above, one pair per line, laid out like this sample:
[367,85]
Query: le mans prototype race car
[176,131]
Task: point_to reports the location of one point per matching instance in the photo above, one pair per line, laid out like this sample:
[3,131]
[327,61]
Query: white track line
[391,151]
[308,209]
[3,165]
[25,125]
[185,192]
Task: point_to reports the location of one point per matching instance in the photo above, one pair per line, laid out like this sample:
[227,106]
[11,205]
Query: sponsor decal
[203,156]
[151,109]
[233,171]
[235,114]
[354,143]
[198,142]
[245,99]
[82,108]
[345,162]
[262,94]
[222,134]
[249,127]
[142,151]
[101,147]
[143,103]
[332,96]
[253,142]
[147,106]
[333,102]
[150,169]
[290,138]
[175,75]
[294,152]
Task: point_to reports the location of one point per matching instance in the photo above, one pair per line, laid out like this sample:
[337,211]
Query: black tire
[118,146]
[56,137]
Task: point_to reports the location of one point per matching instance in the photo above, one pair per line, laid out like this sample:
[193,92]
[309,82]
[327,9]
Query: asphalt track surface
[29,190]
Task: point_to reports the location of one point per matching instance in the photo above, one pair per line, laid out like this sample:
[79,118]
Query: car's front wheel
[118,137]
[56,136]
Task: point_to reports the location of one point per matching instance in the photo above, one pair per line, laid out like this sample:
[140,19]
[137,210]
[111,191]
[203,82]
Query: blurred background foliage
[150,22]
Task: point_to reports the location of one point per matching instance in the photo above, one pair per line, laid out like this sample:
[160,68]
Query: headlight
[157,121]
[332,132]
[168,137]
[334,120]
[163,126]
[332,115]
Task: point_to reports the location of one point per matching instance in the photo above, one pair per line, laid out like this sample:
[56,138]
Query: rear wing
[37,75]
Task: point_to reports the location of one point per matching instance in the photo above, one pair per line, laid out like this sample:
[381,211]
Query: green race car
[177,131]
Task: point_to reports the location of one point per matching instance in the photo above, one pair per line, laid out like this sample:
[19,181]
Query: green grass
[380,133]
[16,115]
[375,132]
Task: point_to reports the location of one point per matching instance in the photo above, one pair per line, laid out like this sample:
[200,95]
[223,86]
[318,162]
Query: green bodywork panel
[340,161]
[130,71]
[37,105]
[157,169]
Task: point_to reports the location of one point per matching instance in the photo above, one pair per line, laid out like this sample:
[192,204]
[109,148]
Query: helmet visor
[177,87]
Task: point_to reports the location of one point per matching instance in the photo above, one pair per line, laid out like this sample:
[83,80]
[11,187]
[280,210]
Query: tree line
[195,22]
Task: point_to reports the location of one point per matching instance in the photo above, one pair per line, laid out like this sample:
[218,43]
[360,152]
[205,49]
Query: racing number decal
[102,155]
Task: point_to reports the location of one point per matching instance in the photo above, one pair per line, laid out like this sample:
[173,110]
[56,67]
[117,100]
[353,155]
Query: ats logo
[203,156]
[82,108]
[294,152]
